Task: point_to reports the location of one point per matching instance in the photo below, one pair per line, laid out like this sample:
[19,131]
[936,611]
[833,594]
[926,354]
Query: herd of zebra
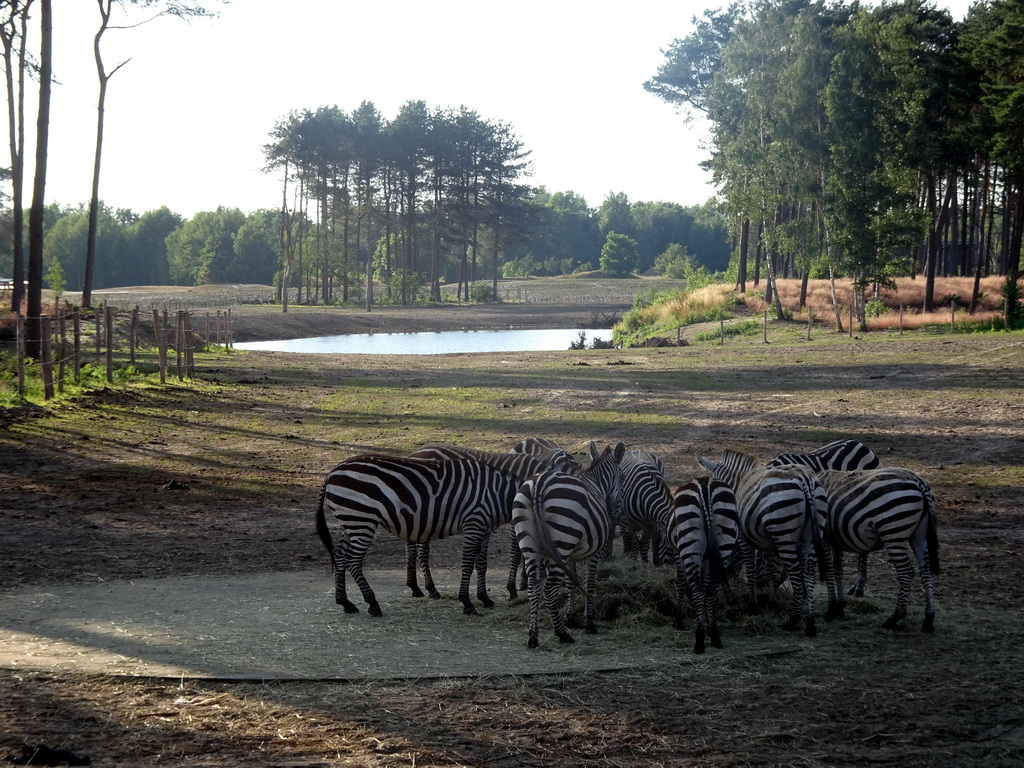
[791,518]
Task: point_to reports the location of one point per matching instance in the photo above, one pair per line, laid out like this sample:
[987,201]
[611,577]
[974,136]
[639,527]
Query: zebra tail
[321,526]
[719,573]
[547,545]
[816,537]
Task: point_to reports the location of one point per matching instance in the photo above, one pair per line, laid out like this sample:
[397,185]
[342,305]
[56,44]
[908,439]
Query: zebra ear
[620,451]
[594,452]
[706,463]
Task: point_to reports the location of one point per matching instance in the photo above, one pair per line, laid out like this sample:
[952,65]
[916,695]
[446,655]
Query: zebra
[845,455]
[781,511]
[415,499]
[886,509]
[703,533]
[548,449]
[520,465]
[646,505]
[561,518]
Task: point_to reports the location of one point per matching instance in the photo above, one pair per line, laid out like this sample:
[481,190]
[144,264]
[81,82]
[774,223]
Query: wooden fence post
[62,321]
[21,356]
[190,361]
[108,320]
[764,325]
[158,332]
[76,329]
[133,334]
[46,360]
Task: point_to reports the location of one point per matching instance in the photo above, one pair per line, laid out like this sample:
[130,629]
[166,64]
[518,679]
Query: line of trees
[869,142]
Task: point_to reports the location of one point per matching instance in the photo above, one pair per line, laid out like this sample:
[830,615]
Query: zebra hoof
[566,638]
[591,628]
[892,622]
[856,592]
[810,630]
[533,642]
[512,594]
[485,601]
[348,605]
[929,624]
[417,592]
[435,595]
[698,647]
[835,611]
[469,609]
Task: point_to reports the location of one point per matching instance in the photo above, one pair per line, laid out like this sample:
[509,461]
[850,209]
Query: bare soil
[163,600]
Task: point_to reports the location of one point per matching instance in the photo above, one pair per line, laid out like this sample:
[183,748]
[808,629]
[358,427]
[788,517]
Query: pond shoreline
[270,323]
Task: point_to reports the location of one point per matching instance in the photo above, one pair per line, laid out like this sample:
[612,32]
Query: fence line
[66,367]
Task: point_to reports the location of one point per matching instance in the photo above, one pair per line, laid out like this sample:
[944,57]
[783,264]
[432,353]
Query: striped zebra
[888,509]
[781,511]
[646,505]
[520,465]
[845,455]
[703,533]
[542,447]
[561,518]
[414,499]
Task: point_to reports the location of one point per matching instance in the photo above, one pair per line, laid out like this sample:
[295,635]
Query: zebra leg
[357,551]
[857,590]
[750,571]
[791,561]
[699,597]
[534,578]
[552,589]
[808,561]
[711,601]
[471,540]
[340,593]
[591,597]
[423,552]
[411,553]
[836,601]
[681,588]
[904,575]
[924,568]
[515,556]
[481,574]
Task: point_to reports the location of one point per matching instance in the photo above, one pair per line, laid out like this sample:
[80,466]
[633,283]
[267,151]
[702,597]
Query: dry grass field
[215,481]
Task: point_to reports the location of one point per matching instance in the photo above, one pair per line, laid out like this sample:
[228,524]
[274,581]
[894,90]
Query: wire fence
[112,338]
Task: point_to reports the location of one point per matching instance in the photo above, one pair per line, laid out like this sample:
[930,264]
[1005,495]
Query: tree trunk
[33,321]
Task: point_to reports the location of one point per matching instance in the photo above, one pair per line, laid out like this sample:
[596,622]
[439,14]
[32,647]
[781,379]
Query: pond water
[439,343]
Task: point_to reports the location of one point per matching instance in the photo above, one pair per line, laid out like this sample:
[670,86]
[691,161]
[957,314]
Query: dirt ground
[163,600]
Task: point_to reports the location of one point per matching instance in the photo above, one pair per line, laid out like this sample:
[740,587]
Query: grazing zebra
[845,455]
[520,465]
[414,499]
[646,505]
[561,518]
[541,446]
[886,509]
[703,532]
[781,511]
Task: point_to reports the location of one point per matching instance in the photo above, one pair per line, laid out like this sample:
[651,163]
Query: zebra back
[522,465]
[550,450]
[846,455]
[887,500]
[733,466]
[415,499]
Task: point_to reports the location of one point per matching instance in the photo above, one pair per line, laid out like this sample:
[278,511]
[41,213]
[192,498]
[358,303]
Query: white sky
[187,117]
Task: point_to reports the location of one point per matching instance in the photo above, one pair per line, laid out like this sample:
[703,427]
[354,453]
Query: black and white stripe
[703,534]
[781,511]
[891,509]
[646,505]
[519,465]
[846,456]
[418,500]
[562,518]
